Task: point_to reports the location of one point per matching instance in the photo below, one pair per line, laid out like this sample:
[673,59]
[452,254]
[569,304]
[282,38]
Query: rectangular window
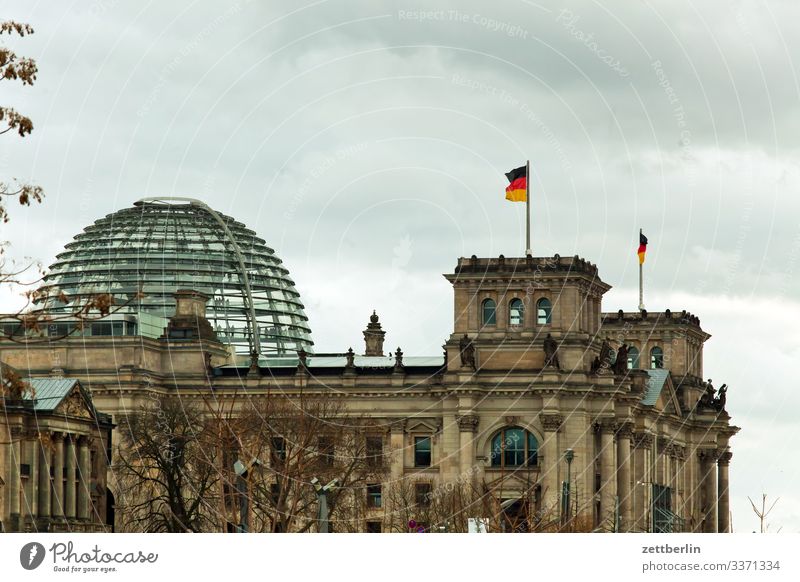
[374,451]
[422,451]
[663,518]
[422,494]
[25,470]
[374,500]
[374,527]
[325,450]
[278,452]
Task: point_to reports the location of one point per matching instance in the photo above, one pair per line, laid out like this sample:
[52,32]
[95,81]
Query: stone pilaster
[467,427]
[551,423]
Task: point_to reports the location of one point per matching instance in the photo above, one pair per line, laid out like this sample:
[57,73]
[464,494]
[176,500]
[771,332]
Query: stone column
[467,427]
[643,477]
[57,504]
[14,478]
[69,489]
[624,434]
[608,473]
[44,477]
[551,489]
[708,463]
[31,485]
[723,492]
[85,473]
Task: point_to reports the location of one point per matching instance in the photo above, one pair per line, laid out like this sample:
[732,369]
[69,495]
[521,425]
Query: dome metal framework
[165,244]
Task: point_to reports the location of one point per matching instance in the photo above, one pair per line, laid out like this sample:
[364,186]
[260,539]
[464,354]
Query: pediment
[75,404]
[422,426]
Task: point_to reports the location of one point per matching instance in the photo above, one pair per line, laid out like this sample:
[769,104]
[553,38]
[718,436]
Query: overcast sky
[367,141]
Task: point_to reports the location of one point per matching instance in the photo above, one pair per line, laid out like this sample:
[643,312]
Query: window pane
[533,450]
[374,496]
[515,310]
[633,359]
[656,358]
[515,447]
[422,452]
[544,311]
[489,312]
[497,450]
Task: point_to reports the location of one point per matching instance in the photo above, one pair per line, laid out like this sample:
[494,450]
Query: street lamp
[242,471]
[569,455]
[322,498]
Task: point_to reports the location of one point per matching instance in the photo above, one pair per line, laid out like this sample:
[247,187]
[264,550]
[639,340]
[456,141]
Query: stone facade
[54,448]
[647,455]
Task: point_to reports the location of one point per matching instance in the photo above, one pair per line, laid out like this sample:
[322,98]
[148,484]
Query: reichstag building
[543,412]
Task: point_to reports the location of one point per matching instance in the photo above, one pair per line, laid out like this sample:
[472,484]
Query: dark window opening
[374,451]
[374,499]
[278,451]
[489,315]
[422,452]
[656,358]
[422,494]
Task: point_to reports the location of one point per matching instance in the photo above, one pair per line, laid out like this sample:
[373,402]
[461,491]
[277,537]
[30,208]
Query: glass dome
[165,244]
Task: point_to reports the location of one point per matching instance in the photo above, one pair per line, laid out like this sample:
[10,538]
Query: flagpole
[528,252]
[641,283]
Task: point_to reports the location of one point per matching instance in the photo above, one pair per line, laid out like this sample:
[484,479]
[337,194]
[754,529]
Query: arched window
[515,312]
[489,316]
[656,358]
[514,447]
[633,359]
[544,311]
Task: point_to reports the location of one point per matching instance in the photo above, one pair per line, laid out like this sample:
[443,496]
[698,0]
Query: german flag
[642,247]
[517,190]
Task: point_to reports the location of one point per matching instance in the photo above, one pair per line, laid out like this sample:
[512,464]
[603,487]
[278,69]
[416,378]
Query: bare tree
[763,513]
[165,469]
[300,439]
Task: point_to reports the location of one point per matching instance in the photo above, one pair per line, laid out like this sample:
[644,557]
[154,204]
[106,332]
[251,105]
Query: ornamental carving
[605,425]
[74,405]
[707,455]
[724,458]
[551,422]
[468,423]
[625,430]
[643,440]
